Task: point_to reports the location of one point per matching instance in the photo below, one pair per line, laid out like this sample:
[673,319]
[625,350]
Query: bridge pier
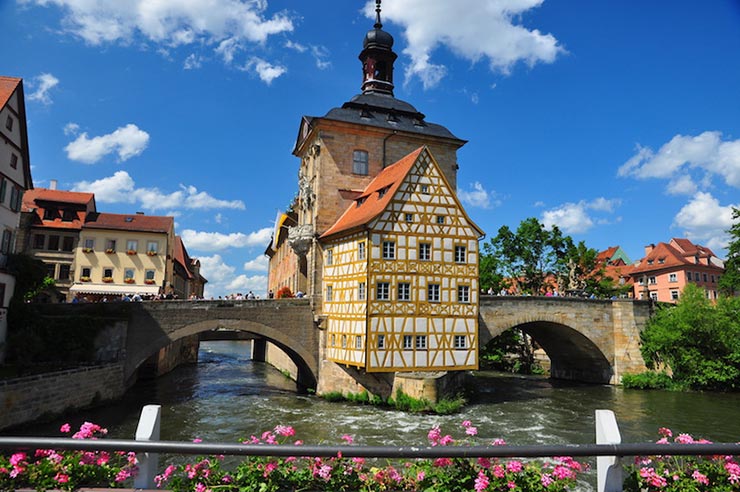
[259,349]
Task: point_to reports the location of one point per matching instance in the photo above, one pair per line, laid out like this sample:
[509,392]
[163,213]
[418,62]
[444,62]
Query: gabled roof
[38,200]
[375,198]
[182,257]
[371,203]
[8,85]
[678,253]
[34,198]
[130,222]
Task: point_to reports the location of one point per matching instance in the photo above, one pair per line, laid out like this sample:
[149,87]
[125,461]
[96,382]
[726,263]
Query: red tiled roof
[680,252]
[130,222]
[370,203]
[181,256]
[607,254]
[8,85]
[31,197]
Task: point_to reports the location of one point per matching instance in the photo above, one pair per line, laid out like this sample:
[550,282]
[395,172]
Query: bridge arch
[302,358]
[587,340]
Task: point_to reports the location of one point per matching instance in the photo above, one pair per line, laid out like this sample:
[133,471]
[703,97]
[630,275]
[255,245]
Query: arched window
[360,162]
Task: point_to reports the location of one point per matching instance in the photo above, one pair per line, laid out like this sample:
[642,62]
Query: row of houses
[90,254]
[97,255]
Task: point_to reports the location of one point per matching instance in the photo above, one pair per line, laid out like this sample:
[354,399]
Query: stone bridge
[587,340]
[286,323]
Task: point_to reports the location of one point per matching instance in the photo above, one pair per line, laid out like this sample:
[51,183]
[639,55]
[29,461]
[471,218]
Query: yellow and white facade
[400,275]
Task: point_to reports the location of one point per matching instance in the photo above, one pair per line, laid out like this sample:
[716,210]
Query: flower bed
[131,252]
[108,280]
[87,250]
[129,280]
[149,281]
[682,473]
[84,279]
[110,251]
[151,253]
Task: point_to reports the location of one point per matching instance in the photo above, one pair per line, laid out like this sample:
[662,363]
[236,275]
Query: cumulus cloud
[688,162]
[42,84]
[71,129]
[127,142]
[121,188]
[471,29]
[258,264]
[704,220]
[222,281]
[173,23]
[192,62]
[477,196]
[576,218]
[266,71]
[217,241]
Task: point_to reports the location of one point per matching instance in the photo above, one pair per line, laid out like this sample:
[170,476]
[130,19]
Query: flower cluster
[682,473]
[48,469]
[269,474]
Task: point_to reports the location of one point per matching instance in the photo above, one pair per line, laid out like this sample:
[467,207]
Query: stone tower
[341,152]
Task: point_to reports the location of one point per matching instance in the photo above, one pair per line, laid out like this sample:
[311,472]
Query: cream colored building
[124,254]
[401,274]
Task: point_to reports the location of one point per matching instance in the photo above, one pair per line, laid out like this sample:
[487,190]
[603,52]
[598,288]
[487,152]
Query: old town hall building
[376,236]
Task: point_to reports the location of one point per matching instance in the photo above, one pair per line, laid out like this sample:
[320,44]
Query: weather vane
[378,24]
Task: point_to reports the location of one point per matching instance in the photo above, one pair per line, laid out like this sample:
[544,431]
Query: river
[226,397]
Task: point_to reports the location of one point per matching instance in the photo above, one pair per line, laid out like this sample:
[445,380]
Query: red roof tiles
[8,85]
[130,222]
[370,202]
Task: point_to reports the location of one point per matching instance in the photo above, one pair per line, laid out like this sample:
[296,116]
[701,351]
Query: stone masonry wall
[29,398]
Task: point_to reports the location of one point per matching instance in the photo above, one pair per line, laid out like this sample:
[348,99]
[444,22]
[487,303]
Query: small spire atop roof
[378,24]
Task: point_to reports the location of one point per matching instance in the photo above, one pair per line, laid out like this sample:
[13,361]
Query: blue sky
[619,121]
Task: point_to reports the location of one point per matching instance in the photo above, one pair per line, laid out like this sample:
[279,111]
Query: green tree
[698,341]
[729,284]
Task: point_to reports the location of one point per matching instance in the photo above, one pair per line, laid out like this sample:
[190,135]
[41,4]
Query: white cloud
[265,70]
[121,188]
[216,241]
[471,29]
[705,221]
[127,141]
[704,155]
[170,23]
[574,218]
[258,264]
[71,129]
[192,62]
[477,196]
[221,279]
[43,84]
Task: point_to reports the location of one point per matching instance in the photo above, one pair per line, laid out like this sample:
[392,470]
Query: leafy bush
[682,473]
[283,292]
[47,469]
[648,380]
[270,474]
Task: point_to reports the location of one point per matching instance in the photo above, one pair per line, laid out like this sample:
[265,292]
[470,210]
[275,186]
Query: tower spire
[378,24]
[377,58]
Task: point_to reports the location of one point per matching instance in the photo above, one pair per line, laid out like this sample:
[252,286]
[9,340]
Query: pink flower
[546,480]
[684,439]
[700,477]
[348,439]
[514,466]
[665,432]
[563,472]
[325,472]
[61,478]
[284,430]
[484,463]
[199,487]
[466,423]
[434,435]
[498,442]
[123,475]
[420,476]
[65,428]
[197,440]
[269,468]
[733,470]
[498,471]
[481,483]
[446,440]
[17,458]
[511,485]
[471,431]
[442,462]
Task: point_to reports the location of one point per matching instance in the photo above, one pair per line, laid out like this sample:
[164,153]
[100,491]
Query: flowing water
[227,397]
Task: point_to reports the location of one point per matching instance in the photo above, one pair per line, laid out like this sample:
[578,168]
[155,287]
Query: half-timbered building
[400,279]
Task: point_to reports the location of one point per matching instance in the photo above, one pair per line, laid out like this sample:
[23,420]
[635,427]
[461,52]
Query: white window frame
[329,257]
[420,342]
[383,291]
[433,293]
[381,342]
[460,254]
[361,291]
[408,342]
[329,293]
[361,252]
[460,342]
[360,162]
[404,291]
[389,250]
[425,251]
[463,294]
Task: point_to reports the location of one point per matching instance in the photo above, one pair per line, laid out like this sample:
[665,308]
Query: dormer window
[361,200]
[650,262]
[382,192]
[50,213]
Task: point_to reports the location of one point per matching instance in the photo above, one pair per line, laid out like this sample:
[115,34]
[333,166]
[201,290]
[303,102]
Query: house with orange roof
[50,230]
[667,268]
[187,280]
[15,178]
[122,254]
[400,276]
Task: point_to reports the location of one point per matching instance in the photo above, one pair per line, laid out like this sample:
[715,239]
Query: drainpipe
[395,132]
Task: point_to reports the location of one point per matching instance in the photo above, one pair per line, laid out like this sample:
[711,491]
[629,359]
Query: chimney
[52,184]
[649,249]
[139,213]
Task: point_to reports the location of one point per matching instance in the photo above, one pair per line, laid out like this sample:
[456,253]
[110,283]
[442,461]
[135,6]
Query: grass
[402,402]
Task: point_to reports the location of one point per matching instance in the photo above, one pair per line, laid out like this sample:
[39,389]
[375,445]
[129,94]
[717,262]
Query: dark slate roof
[385,111]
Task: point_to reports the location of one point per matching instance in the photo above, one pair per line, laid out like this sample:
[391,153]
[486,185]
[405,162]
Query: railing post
[609,468]
[148,430]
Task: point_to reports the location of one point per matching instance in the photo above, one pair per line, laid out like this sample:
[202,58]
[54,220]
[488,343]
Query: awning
[114,289]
